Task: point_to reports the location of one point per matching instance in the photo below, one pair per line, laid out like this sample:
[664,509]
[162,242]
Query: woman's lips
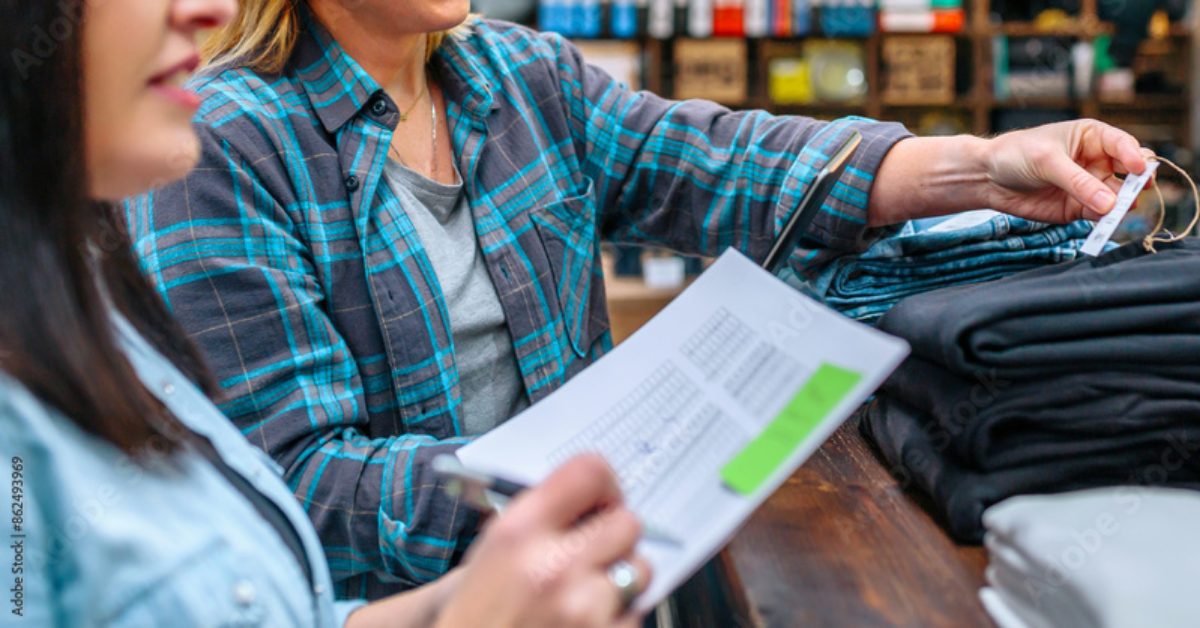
[170,83]
[178,95]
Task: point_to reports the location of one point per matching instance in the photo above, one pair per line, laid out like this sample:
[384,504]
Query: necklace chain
[433,148]
[408,112]
[434,142]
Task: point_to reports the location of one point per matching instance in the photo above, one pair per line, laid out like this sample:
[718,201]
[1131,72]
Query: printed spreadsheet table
[705,411]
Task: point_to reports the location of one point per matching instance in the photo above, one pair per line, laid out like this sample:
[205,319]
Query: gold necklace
[420,97]
[433,150]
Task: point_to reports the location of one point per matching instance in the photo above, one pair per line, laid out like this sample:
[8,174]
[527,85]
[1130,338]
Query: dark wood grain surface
[842,544]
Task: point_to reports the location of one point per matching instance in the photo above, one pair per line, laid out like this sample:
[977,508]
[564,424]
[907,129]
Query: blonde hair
[264,33]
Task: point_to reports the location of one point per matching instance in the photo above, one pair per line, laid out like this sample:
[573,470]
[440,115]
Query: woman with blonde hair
[391,244]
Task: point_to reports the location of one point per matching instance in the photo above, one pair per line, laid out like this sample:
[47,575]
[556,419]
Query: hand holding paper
[704,412]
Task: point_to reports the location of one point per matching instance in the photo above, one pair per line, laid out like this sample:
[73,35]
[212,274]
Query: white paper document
[703,412]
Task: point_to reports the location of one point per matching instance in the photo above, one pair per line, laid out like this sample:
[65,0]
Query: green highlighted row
[827,387]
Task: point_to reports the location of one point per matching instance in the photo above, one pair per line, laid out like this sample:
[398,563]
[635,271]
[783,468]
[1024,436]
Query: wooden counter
[840,544]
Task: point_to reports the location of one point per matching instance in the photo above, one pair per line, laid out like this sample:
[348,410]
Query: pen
[488,493]
[820,187]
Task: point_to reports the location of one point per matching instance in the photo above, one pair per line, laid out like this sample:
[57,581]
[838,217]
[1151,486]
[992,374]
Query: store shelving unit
[976,100]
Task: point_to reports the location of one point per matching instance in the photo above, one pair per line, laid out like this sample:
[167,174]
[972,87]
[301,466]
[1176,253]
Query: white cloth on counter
[1112,557]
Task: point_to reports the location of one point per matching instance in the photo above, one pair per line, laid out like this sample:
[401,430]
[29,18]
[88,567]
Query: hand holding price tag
[1108,224]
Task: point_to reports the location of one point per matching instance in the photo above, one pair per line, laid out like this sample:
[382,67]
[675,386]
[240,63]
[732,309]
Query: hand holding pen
[561,554]
[491,494]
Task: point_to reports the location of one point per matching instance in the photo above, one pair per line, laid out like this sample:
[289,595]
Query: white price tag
[1104,230]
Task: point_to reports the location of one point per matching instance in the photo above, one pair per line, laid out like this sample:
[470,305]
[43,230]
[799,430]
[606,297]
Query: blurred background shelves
[979,63]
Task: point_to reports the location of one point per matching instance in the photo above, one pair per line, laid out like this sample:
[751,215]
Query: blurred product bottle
[729,18]
[700,18]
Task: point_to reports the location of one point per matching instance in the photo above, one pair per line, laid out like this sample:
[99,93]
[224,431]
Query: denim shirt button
[168,388]
[244,593]
[318,590]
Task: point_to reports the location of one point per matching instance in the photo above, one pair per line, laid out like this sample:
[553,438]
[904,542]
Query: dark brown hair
[60,251]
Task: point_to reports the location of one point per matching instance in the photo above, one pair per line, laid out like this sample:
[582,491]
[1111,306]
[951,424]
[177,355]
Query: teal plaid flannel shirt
[291,263]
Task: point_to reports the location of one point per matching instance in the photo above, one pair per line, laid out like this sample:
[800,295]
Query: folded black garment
[989,423]
[1125,310]
[960,495]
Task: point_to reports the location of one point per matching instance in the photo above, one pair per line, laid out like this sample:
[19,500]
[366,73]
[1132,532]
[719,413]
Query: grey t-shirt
[488,374]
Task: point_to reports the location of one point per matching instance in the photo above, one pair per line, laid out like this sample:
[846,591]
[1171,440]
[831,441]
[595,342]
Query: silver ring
[624,576]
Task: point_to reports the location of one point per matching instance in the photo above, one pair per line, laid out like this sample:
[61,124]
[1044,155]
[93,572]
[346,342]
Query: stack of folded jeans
[1071,376]
[929,254]
[1104,557]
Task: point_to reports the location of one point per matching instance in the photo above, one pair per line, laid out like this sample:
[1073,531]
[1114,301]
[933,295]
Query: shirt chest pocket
[218,587]
[569,235]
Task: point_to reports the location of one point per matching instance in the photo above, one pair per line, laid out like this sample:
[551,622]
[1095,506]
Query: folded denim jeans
[906,439]
[990,423]
[1126,310]
[929,254]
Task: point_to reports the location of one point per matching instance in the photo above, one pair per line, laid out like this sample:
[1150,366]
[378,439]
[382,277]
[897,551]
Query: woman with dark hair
[134,500]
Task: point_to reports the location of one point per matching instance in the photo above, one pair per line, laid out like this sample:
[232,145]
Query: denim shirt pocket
[569,235]
[210,587]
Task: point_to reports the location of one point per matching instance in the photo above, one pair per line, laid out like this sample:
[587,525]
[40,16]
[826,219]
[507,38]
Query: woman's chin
[452,14]
[138,172]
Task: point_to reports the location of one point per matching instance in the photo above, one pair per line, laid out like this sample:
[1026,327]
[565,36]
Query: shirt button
[379,106]
[168,388]
[318,590]
[243,593]
[352,183]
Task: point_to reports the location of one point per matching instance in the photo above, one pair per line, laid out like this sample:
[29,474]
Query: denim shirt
[105,540]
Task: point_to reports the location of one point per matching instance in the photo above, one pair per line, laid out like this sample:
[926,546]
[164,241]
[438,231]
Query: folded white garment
[1112,557]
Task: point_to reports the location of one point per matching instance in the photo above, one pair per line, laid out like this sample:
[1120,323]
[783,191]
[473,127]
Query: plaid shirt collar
[338,87]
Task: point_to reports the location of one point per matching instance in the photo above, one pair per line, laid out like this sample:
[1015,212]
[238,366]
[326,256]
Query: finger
[632,620]
[645,572]
[609,535]
[583,484]
[1079,184]
[612,597]
[589,600]
[1147,155]
[1114,183]
[1122,148]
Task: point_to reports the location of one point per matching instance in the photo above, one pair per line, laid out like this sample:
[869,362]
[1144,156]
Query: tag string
[1154,238]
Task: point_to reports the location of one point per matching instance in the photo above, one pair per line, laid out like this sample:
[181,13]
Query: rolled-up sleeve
[698,178]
